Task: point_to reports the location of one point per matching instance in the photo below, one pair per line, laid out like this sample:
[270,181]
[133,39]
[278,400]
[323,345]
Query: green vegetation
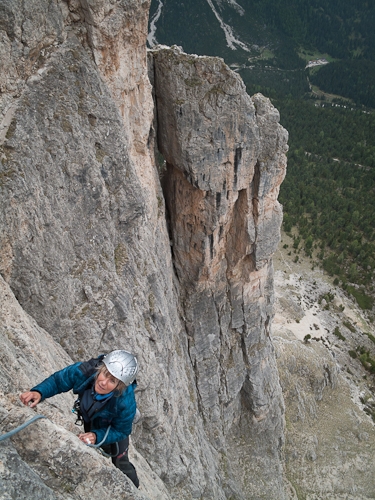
[328,297]
[371,337]
[330,130]
[338,333]
[341,28]
[321,200]
[365,358]
[289,30]
[349,326]
[364,301]
[354,79]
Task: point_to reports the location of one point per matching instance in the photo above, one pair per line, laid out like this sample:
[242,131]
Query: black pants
[120,457]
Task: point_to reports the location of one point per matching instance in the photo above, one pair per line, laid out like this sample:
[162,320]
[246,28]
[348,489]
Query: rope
[19,428]
[108,455]
[37,417]
[102,441]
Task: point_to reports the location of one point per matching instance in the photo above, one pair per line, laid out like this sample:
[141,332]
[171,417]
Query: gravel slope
[330,436]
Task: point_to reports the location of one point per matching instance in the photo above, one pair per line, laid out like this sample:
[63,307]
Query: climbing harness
[77,411]
[20,427]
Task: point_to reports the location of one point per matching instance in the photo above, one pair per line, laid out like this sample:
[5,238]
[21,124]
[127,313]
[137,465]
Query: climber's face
[105,382]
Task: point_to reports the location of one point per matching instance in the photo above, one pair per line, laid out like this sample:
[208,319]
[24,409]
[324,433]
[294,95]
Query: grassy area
[267,54]
[364,301]
[308,55]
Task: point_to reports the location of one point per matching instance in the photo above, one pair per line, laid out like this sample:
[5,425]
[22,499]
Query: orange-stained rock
[225,161]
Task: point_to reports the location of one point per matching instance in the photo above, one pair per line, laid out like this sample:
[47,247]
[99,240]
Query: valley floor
[329,394]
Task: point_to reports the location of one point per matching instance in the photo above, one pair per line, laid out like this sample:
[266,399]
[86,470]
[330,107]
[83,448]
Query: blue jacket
[119,412]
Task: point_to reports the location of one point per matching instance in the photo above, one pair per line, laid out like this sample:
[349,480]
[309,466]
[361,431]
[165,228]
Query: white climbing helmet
[122,365]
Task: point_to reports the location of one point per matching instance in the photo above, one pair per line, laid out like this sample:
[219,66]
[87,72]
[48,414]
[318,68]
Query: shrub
[338,333]
[349,326]
[371,337]
[367,361]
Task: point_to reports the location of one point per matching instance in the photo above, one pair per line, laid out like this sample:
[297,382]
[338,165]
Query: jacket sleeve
[121,424]
[61,381]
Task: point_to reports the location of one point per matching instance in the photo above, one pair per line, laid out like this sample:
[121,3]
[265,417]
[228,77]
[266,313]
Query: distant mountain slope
[237,30]
[326,108]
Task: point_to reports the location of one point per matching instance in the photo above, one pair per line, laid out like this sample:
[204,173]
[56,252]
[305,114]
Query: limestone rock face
[225,157]
[86,254]
[44,460]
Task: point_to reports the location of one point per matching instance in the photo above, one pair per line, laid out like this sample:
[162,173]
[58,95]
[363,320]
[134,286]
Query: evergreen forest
[354,79]
[328,194]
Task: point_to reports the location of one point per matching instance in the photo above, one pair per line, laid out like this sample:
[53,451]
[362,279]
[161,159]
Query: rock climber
[106,402]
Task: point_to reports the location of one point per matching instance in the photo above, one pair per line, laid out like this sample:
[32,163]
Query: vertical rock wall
[85,246]
[225,157]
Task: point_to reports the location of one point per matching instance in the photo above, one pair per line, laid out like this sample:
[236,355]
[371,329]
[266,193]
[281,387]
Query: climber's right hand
[30,398]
